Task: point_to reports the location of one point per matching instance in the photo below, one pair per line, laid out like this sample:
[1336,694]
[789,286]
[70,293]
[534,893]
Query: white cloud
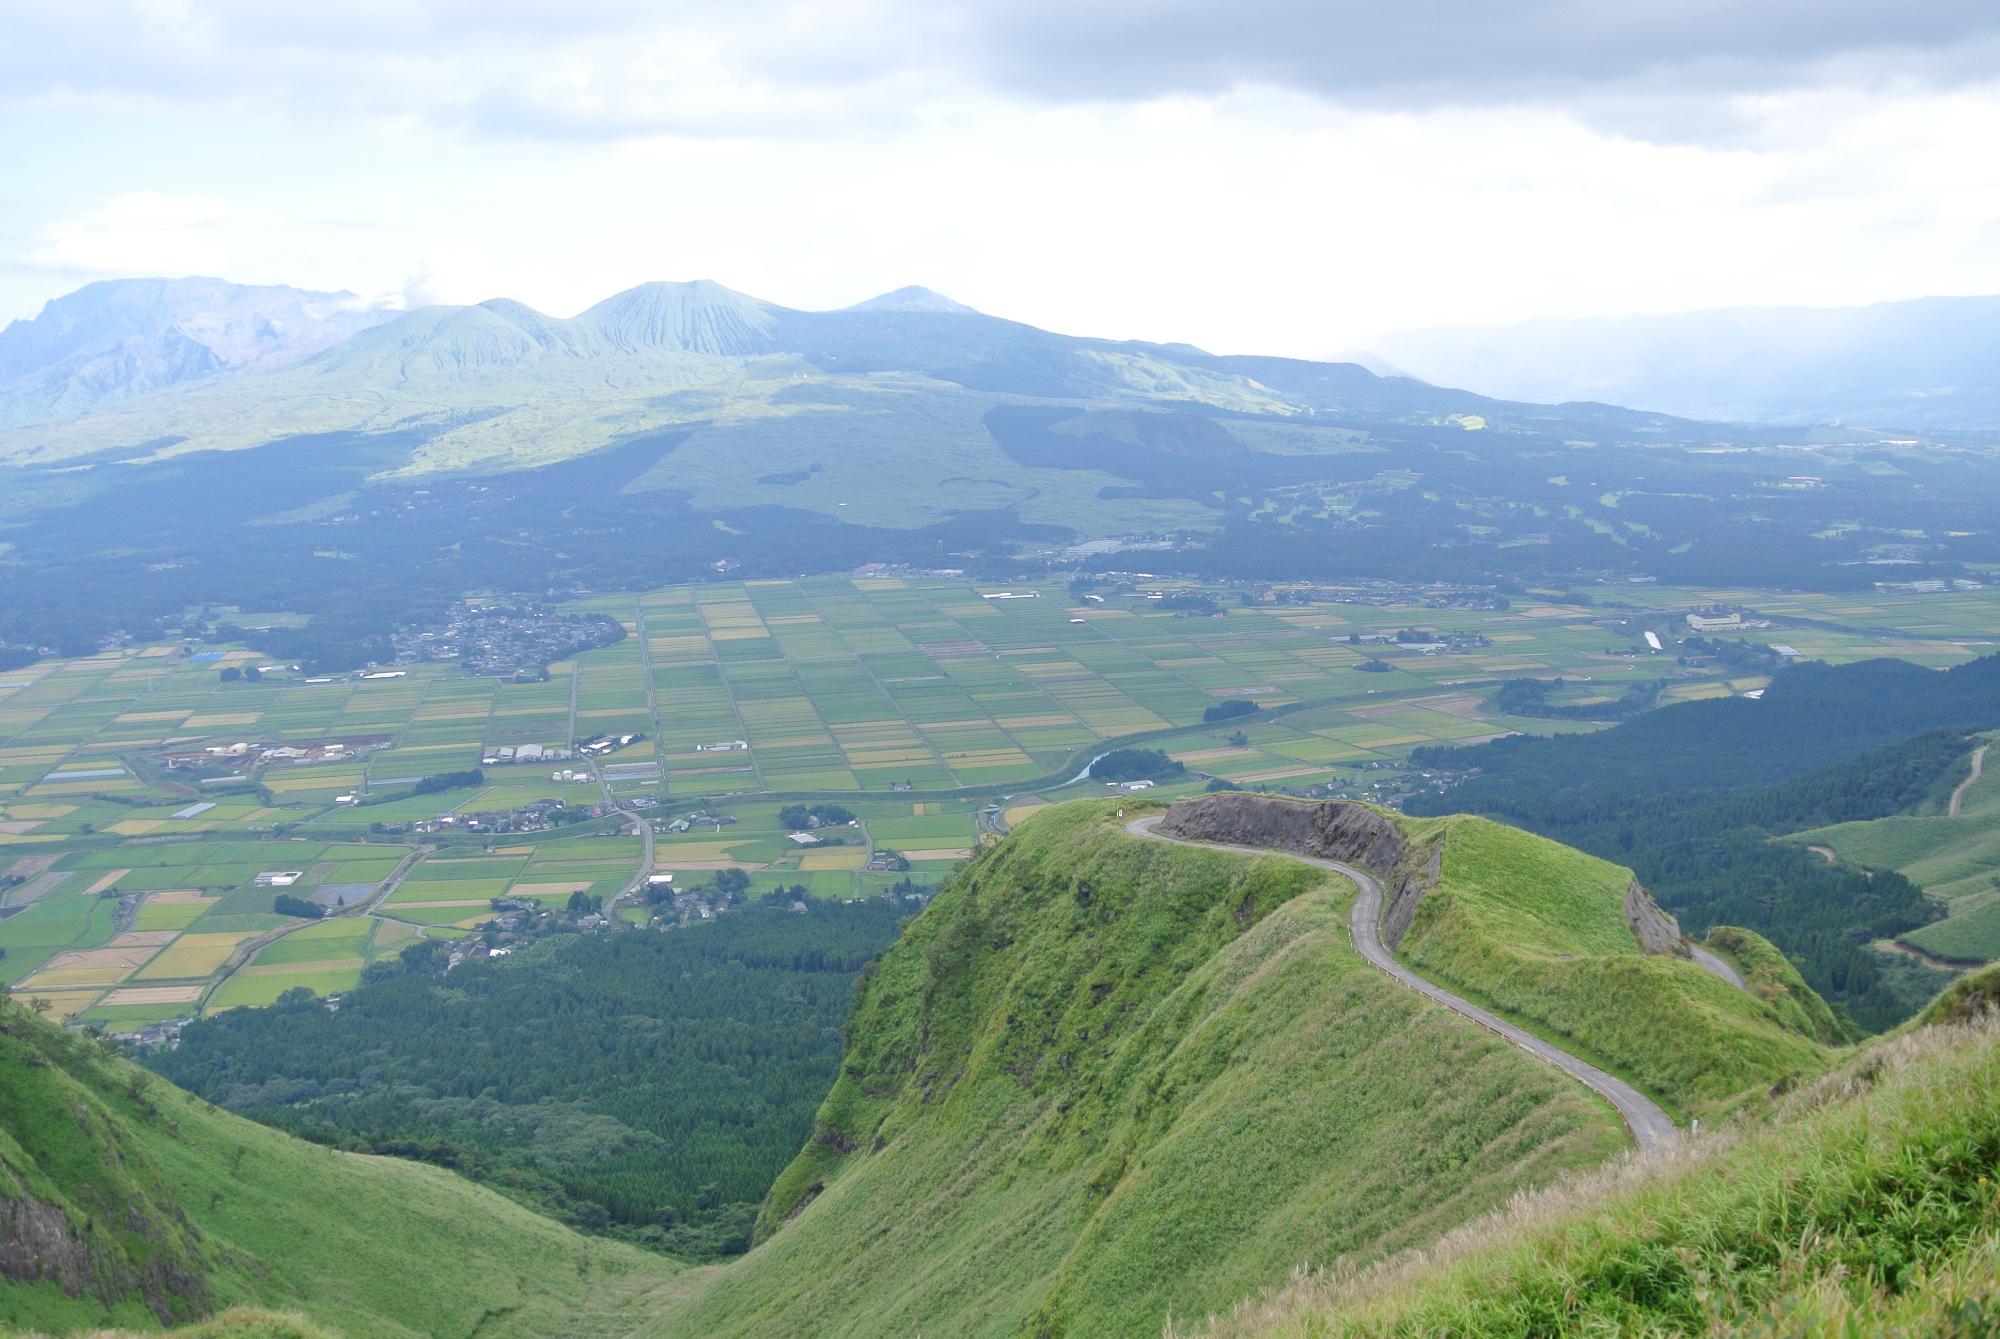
[813,155]
[145,233]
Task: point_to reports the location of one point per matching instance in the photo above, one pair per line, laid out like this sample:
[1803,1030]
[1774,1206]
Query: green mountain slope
[1103,1081]
[125,1201]
[1691,795]
[1863,1205]
[1100,1083]
[1558,941]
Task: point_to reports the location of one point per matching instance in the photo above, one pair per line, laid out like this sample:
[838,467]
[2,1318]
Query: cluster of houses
[517,642]
[536,816]
[1424,641]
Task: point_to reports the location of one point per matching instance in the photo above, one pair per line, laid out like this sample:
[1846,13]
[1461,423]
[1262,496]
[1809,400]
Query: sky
[1271,176]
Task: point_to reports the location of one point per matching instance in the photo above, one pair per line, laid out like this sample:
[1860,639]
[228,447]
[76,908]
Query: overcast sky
[1282,176]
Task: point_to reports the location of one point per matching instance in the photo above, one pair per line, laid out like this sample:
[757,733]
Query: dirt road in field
[1958,796]
[1650,1125]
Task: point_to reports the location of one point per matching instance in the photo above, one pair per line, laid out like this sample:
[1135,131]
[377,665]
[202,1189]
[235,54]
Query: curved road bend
[1715,966]
[1650,1125]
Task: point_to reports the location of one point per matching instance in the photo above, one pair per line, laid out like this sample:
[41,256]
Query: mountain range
[124,364]
[878,414]
[675,429]
[120,338]
[1924,364]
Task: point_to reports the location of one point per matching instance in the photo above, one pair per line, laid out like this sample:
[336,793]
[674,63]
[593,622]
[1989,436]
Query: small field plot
[192,956]
[457,892]
[171,910]
[463,916]
[337,939]
[259,986]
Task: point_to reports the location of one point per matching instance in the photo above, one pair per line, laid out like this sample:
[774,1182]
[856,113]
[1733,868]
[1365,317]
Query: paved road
[1717,966]
[644,826]
[249,948]
[1958,795]
[1650,1125]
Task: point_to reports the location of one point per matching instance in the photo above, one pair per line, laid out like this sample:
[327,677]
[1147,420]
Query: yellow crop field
[845,858]
[193,955]
[63,1004]
[153,995]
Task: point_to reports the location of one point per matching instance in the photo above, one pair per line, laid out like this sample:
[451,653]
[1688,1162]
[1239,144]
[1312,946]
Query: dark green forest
[1135,765]
[392,555]
[1691,795]
[648,1085]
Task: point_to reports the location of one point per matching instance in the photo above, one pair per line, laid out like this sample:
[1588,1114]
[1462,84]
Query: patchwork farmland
[151,813]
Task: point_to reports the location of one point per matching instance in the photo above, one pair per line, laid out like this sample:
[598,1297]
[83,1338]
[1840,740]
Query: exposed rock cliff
[1332,830]
[1656,931]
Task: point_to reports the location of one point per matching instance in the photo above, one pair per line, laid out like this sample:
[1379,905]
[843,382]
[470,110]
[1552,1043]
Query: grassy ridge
[236,1213]
[1865,1205]
[1102,1081]
[1536,931]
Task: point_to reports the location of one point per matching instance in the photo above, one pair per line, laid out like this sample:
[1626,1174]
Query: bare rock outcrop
[1656,931]
[1331,830]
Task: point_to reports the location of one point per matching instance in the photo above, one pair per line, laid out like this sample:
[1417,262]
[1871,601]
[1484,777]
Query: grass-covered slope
[1952,853]
[1537,931]
[235,1323]
[1551,938]
[1103,1081]
[1867,1203]
[127,1202]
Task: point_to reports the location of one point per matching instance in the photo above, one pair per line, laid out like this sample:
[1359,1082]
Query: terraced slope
[125,1201]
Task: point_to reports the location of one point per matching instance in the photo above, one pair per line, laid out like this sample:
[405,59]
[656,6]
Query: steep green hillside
[1550,938]
[1692,794]
[1537,931]
[125,1201]
[1864,1205]
[1102,1081]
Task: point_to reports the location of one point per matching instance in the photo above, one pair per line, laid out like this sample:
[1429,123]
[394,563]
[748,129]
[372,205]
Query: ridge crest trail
[1651,1127]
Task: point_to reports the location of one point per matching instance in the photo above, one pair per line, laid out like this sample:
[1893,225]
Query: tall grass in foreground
[236,1323]
[1866,1205]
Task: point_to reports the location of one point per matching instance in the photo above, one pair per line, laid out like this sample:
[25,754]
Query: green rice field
[138,811]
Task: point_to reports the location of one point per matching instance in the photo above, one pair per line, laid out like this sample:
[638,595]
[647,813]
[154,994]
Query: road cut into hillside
[1650,1126]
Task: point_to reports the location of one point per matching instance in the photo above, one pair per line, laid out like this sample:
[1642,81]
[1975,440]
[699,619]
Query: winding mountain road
[1650,1125]
[1715,966]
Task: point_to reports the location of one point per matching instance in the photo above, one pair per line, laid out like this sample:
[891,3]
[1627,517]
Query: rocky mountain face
[121,338]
